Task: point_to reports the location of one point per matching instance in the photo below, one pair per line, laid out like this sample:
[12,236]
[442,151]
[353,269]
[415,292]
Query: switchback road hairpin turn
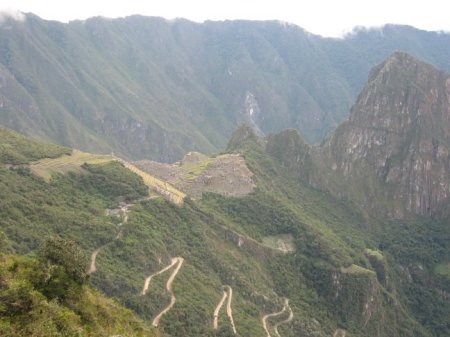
[227,293]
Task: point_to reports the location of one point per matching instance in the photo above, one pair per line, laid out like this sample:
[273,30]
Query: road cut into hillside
[227,294]
[149,278]
[217,310]
[276,314]
[287,320]
[169,288]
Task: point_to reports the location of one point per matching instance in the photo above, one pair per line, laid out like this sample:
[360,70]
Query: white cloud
[324,17]
[11,13]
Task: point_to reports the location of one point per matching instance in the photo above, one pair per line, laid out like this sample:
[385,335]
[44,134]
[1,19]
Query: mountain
[151,88]
[395,144]
[391,155]
[284,256]
[316,241]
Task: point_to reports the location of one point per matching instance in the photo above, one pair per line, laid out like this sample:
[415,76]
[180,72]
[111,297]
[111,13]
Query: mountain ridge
[127,85]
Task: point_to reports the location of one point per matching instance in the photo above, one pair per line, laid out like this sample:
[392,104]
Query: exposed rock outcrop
[394,149]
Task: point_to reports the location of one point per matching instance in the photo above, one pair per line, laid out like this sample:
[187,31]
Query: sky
[322,17]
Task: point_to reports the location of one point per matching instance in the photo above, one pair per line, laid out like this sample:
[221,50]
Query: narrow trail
[169,283]
[217,310]
[93,268]
[287,320]
[276,314]
[229,309]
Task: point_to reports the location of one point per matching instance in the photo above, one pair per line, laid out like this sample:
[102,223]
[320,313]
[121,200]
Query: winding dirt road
[148,279]
[266,317]
[225,295]
[229,309]
[276,314]
[169,283]
[217,310]
[287,320]
[92,267]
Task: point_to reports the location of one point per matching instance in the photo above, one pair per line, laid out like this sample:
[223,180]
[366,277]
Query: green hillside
[146,87]
[347,273]
[32,303]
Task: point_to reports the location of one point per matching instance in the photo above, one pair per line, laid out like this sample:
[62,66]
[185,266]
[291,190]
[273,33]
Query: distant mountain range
[145,87]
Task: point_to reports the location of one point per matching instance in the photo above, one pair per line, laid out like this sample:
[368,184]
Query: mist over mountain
[145,87]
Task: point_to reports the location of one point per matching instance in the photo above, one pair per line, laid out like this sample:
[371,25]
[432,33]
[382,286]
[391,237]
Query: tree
[62,268]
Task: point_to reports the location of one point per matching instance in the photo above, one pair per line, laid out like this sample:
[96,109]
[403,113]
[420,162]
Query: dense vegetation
[150,88]
[48,296]
[113,181]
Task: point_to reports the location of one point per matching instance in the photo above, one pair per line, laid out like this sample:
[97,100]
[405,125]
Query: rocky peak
[399,132]
[401,89]
[244,134]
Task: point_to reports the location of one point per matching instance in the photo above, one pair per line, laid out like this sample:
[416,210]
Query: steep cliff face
[395,144]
